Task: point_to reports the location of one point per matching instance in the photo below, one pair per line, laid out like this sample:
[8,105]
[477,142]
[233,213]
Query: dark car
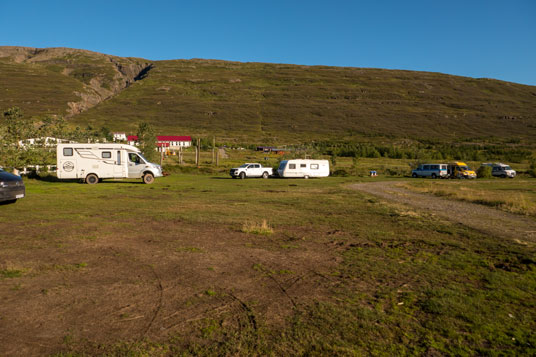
[11,187]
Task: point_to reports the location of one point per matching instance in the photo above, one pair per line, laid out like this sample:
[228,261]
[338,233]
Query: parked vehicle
[251,170]
[430,170]
[460,170]
[11,187]
[501,170]
[93,162]
[303,168]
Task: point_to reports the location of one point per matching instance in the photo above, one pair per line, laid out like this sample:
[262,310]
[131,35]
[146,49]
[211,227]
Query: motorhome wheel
[434,176]
[148,178]
[92,179]
[306,177]
[414,175]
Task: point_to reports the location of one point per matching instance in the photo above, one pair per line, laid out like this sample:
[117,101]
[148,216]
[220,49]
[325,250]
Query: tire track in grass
[521,230]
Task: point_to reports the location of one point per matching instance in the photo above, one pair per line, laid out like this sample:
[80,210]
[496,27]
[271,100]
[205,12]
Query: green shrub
[532,170]
[340,173]
[484,172]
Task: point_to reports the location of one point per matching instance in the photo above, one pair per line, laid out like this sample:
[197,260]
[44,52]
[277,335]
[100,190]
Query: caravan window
[303,165]
[292,166]
[106,154]
[314,166]
[67,151]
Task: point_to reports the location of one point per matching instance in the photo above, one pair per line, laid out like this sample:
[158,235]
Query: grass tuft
[257,228]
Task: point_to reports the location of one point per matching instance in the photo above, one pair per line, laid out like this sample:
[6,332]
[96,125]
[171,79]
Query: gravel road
[485,219]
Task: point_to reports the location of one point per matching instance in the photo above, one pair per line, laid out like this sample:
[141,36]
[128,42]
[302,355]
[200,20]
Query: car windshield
[245,165]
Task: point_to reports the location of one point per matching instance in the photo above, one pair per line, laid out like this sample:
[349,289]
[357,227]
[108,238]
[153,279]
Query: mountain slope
[72,80]
[277,102]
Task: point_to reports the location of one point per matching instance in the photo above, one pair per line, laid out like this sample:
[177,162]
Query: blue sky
[493,39]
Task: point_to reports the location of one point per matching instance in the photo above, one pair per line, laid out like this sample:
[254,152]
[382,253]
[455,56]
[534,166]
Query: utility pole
[213,148]
[198,152]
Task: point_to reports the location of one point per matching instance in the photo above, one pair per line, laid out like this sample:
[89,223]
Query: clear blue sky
[480,38]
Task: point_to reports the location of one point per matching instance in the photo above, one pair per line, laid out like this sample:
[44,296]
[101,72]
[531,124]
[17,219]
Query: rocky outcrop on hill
[102,76]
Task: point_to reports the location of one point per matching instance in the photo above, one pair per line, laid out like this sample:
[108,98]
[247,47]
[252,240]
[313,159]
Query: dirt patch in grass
[121,286]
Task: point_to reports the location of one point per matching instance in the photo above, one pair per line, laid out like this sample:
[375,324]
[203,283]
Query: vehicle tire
[242,175]
[8,202]
[92,179]
[414,175]
[503,176]
[265,175]
[148,178]
[306,177]
[434,176]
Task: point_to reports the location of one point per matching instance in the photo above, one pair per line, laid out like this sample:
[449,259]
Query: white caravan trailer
[303,168]
[92,162]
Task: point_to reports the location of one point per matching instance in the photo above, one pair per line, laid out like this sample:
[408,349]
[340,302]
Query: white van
[303,168]
[92,162]
[431,170]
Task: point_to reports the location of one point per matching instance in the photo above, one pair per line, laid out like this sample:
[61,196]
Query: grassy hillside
[35,89]
[278,102]
[62,80]
[300,102]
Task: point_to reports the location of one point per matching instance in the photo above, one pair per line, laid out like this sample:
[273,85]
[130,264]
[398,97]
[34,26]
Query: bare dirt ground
[485,219]
[155,284]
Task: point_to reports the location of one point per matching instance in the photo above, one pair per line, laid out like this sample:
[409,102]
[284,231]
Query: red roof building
[166,141]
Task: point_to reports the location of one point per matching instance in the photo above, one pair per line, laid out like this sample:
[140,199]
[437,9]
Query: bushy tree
[147,141]
[484,172]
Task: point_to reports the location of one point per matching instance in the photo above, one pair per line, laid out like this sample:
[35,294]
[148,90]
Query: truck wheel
[242,175]
[414,175]
[265,175]
[92,179]
[148,178]
[434,176]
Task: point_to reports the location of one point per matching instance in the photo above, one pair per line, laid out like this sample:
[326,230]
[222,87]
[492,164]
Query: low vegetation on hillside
[272,103]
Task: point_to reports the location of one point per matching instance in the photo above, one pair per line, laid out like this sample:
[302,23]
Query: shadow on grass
[53,178]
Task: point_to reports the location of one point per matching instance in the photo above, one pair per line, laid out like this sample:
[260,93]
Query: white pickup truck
[251,170]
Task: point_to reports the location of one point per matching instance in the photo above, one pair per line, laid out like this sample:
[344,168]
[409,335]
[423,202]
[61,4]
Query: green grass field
[338,273]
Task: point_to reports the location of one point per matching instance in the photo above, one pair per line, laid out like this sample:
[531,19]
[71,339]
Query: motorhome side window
[292,166]
[314,166]
[106,154]
[67,151]
[303,165]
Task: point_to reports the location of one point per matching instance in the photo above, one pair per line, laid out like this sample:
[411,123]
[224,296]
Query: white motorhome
[93,162]
[303,168]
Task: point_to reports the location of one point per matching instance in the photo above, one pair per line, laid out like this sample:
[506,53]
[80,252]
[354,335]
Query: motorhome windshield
[143,157]
[463,168]
[282,165]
